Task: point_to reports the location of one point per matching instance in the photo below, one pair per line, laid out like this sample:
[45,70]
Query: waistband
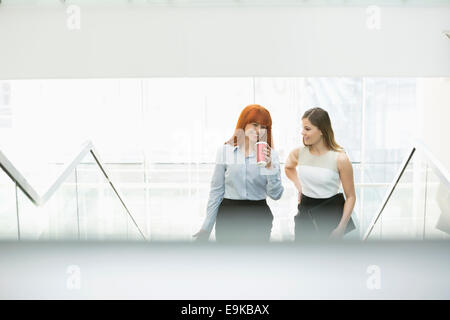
[226,201]
[336,196]
[308,203]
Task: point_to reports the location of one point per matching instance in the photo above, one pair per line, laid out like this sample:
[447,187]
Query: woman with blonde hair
[239,187]
[317,169]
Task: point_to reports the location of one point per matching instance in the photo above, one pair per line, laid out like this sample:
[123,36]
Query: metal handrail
[436,165]
[38,200]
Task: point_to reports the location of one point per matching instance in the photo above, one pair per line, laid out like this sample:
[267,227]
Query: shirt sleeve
[274,188]
[217,191]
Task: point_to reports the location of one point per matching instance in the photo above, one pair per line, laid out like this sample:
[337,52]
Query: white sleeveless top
[319,175]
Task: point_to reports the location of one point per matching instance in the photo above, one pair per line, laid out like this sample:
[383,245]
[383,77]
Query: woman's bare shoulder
[343,161]
[295,152]
[342,155]
[292,159]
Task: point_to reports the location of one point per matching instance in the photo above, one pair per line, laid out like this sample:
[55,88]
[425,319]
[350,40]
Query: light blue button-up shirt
[238,177]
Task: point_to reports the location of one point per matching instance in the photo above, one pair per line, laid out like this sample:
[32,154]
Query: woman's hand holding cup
[268,157]
[263,155]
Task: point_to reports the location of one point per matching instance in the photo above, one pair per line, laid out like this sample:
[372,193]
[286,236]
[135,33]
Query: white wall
[146,41]
[434,98]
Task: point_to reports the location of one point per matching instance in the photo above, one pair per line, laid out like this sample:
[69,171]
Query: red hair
[253,113]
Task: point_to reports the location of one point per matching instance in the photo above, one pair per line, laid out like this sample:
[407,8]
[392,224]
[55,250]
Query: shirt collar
[238,148]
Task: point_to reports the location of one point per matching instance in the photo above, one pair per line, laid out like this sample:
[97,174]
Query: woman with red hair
[239,187]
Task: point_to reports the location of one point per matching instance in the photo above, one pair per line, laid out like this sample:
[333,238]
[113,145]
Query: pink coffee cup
[261,148]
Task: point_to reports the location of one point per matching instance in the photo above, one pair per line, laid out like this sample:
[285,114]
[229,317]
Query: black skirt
[243,221]
[317,218]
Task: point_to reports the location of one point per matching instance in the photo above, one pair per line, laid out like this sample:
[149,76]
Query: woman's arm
[216,193]
[346,175]
[291,171]
[274,188]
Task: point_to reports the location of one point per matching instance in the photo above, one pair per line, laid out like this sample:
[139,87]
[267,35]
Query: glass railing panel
[133,233]
[418,207]
[377,180]
[376,231]
[46,210]
[370,199]
[102,215]
[40,163]
[56,219]
[403,215]
[57,197]
[437,207]
[177,196]
[129,178]
[8,212]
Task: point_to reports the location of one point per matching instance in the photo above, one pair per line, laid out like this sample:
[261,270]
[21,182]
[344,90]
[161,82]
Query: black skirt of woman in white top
[317,218]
